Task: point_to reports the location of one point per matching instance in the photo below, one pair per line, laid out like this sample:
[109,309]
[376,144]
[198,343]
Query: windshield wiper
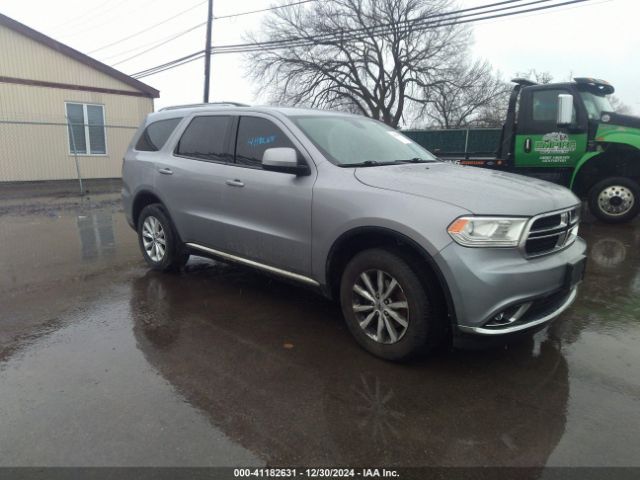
[375,163]
[414,160]
[366,163]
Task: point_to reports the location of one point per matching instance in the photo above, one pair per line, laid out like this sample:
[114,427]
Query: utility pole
[207,53]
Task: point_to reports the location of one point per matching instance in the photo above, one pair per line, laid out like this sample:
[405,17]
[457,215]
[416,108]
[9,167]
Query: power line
[81,17]
[417,24]
[145,45]
[181,13]
[350,34]
[384,28]
[108,20]
[262,10]
[176,62]
[140,32]
[302,42]
[267,43]
[592,3]
[158,45]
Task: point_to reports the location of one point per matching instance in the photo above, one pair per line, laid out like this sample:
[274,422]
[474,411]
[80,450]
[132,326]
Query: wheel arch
[617,160]
[359,238]
[142,199]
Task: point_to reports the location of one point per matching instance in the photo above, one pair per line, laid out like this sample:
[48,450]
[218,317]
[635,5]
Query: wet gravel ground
[105,363]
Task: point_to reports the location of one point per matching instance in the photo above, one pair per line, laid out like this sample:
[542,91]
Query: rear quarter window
[156,135]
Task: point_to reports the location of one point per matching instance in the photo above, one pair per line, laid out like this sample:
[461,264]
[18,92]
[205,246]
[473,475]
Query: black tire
[175,256]
[622,190]
[425,316]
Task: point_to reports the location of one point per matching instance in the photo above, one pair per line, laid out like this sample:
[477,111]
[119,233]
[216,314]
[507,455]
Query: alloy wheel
[154,239]
[380,306]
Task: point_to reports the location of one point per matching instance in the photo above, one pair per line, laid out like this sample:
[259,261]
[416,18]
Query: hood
[612,118]
[478,190]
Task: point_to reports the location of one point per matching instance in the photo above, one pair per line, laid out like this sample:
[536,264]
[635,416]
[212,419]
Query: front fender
[608,135]
[583,160]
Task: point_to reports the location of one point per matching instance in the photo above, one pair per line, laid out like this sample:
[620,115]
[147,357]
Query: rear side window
[206,138]
[156,134]
[255,135]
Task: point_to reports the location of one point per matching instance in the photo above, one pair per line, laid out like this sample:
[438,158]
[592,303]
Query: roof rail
[196,105]
[525,82]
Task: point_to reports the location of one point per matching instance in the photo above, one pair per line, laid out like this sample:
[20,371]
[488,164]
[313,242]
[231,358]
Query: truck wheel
[390,310]
[615,199]
[159,243]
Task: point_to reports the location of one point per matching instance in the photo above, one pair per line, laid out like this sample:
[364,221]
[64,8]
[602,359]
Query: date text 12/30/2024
[315,473]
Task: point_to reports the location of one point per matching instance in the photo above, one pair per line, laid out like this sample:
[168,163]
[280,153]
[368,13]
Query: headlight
[487,232]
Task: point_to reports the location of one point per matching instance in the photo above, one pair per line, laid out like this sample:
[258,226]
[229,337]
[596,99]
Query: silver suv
[416,250]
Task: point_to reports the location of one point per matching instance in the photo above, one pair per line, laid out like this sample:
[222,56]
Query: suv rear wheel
[160,245]
[390,308]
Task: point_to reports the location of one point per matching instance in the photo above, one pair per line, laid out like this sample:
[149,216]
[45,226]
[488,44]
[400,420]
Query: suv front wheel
[160,245]
[390,308]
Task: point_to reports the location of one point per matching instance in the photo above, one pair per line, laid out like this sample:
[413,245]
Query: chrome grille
[552,231]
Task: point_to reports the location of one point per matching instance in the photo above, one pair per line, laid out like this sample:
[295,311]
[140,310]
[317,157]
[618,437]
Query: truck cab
[567,133]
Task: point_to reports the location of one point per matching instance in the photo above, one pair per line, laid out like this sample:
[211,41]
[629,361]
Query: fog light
[508,316]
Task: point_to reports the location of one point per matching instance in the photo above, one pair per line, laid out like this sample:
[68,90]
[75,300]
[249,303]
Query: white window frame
[85,119]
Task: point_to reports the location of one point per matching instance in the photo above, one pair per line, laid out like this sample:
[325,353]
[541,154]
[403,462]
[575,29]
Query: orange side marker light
[458,225]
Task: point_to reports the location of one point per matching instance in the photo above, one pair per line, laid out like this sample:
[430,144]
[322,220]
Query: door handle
[235,183]
[527,145]
[165,171]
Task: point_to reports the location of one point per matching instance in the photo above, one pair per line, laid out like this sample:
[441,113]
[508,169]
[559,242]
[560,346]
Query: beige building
[58,105]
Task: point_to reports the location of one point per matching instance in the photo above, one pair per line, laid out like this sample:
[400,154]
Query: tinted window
[156,134]
[255,135]
[545,106]
[206,138]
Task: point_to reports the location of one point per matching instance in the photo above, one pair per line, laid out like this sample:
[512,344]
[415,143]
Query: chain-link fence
[35,151]
[463,142]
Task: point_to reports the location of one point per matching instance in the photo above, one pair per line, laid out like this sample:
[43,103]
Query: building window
[87,134]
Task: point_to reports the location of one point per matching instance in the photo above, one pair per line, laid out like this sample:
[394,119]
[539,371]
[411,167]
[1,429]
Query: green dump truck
[567,133]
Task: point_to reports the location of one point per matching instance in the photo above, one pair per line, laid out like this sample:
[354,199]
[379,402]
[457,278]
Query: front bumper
[484,282]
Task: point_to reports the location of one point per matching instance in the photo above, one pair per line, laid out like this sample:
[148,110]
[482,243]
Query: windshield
[595,105]
[351,141]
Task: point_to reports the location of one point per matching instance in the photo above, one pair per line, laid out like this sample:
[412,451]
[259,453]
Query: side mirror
[565,109]
[283,160]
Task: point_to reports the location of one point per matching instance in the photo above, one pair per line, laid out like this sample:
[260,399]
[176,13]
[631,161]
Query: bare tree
[542,78]
[467,98]
[363,55]
[494,114]
[618,105]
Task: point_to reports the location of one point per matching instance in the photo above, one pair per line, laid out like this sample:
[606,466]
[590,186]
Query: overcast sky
[597,38]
